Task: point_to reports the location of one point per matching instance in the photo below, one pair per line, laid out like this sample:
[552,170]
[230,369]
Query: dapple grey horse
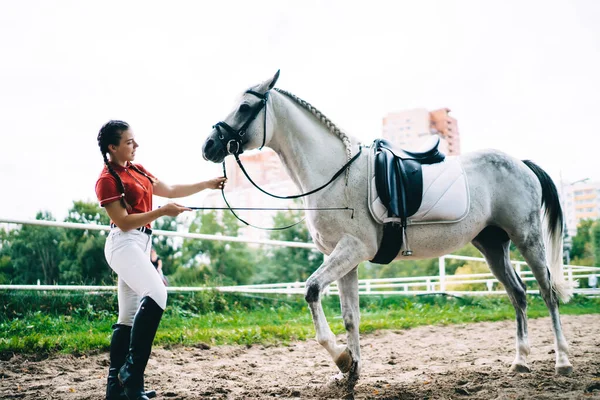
[506,199]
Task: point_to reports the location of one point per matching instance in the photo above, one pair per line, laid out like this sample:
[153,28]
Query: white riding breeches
[128,254]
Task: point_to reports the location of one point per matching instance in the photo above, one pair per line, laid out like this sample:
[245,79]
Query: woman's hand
[217,183]
[173,209]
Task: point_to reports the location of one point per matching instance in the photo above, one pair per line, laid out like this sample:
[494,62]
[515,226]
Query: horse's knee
[349,325]
[350,320]
[312,292]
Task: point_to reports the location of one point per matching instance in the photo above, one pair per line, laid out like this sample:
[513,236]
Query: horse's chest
[321,236]
[327,232]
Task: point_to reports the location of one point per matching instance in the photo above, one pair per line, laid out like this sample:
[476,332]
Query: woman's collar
[119,167]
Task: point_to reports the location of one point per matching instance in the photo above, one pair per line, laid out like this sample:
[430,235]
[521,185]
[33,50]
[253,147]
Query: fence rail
[222,238]
[442,283]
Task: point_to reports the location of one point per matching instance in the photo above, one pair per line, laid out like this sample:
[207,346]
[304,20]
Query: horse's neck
[309,152]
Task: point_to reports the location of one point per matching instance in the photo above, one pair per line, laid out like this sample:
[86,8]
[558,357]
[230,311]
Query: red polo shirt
[138,188]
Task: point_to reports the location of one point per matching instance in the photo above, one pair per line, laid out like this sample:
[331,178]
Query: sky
[519,76]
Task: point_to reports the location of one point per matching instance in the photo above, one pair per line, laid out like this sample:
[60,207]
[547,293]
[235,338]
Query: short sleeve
[106,190]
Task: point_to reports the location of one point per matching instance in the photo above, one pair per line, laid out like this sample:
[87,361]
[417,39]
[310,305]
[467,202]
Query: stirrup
[408,252]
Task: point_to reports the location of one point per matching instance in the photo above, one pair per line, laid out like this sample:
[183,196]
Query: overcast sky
[520,76]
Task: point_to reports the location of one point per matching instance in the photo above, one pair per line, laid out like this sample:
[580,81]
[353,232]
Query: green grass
[77,324]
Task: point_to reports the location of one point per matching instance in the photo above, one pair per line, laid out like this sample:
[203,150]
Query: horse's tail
[553,234]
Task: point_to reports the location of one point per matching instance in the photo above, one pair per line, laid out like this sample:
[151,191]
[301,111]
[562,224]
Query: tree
[595,241]
[427,267]
[7,271]
[408,267]
[452,265]
[34,252]
[471,267]
[83,249]
[224,262]
[400,268]
[289,264]
[581,249]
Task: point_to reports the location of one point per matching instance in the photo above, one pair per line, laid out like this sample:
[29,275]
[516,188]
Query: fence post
[442,263]
[367,287]
[570,273]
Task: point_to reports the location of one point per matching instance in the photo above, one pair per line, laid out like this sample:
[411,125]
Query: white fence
[427,284]
[485,283]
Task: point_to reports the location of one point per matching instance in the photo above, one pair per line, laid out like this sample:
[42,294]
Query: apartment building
[580,201]
[411,129]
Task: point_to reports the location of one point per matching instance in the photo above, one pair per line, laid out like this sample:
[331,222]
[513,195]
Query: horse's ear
[274,81]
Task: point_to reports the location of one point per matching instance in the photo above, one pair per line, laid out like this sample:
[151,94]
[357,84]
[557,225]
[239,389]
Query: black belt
[142,229]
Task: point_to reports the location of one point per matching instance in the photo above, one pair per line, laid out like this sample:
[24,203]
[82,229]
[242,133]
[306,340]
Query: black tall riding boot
[119,345]
[143,331]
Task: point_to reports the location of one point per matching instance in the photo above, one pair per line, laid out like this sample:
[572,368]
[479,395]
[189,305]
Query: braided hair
[111,133]
[328,123]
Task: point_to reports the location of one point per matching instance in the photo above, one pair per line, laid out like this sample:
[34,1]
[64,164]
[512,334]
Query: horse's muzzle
[213,150]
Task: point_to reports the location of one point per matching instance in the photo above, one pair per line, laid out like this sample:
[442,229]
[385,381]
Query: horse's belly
[436,240]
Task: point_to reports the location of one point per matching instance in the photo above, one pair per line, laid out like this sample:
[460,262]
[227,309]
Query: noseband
[233,139]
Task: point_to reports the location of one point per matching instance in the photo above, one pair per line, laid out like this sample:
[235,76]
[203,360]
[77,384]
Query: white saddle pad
[445,194]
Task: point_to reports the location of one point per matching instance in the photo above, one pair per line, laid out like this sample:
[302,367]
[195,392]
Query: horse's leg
[494,244]
[347,254]
[532,249]
[348,287]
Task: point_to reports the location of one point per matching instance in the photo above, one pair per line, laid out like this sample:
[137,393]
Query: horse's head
[244,128]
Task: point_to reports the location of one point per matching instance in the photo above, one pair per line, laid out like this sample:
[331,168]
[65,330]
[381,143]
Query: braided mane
[326,121]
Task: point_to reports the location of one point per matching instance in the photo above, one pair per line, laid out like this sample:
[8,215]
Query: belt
[142,229]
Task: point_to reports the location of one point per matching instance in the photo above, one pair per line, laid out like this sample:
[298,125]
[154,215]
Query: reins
[296,196]
[233,145]
[283,197]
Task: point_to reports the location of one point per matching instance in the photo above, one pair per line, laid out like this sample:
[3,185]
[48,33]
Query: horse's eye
[244,107]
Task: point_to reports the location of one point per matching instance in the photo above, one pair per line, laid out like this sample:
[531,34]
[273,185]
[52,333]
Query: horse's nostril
[209,143]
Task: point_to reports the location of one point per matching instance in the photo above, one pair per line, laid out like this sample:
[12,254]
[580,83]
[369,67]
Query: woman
[157,262]
[125,190]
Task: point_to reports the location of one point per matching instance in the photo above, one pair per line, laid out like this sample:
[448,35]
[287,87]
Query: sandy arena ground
[432,362]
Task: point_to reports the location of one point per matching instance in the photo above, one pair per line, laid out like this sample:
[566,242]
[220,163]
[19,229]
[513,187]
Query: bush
[16,304]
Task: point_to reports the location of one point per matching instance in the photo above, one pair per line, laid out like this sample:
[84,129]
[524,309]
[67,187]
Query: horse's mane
[330,125]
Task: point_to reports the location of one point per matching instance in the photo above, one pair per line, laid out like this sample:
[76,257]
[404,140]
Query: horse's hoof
[564,370]
[344,361]
[519,368]
[337,378]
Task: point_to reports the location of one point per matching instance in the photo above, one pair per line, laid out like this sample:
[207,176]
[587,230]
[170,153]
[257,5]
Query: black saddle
[431,154]
[399,184]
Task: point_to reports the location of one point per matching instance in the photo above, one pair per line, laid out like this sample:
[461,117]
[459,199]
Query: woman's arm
[159,268]
[127,222]
[175,191]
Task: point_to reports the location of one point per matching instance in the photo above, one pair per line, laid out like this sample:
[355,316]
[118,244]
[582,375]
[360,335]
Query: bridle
[232,137]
